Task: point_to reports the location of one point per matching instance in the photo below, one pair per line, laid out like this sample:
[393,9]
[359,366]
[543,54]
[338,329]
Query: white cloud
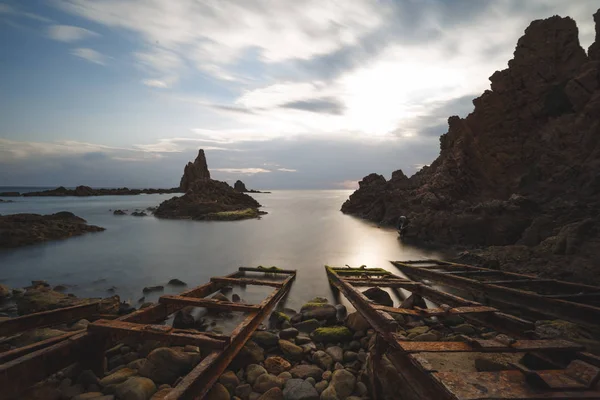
[287,170]
[90,55]
[68,33]
[155,83]
[243,171]
[10,10]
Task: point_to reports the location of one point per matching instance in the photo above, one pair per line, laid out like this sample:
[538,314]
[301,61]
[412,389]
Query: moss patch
[268,269]
[234,215]
[280,317]
[331,334]
[358,271]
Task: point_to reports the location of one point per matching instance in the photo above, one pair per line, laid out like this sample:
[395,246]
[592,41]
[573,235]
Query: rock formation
[240,186]
[521,171]
[198,170]
[207,199]
[24,229]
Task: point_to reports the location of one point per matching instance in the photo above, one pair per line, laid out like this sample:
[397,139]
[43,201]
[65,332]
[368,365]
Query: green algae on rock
[331,334]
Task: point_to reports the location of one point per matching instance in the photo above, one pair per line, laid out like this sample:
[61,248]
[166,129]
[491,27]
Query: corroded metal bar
[430,312]
[268,270]
[489,346]
[198,382]
[246,281]
[208,303]
[571,311]
[21,351]
[118,330]
[47,318]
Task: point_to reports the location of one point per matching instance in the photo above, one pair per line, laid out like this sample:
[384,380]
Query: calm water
[304,230]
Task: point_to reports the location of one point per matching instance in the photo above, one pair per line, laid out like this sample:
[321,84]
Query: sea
[303,230]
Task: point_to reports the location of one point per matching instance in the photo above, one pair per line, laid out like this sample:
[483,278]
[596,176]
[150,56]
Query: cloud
[10,10]
[155,83]
[243,171]
[67,33]
[90,55]
[287,170]
[323,105]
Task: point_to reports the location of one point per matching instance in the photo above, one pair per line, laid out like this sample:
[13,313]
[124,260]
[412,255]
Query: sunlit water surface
[304,230]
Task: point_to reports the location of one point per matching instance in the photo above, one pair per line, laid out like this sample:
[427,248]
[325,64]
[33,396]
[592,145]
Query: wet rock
[243,391]
[230,380]
[87,378]
[272,394]
[332,334]
[379,296]
[329,393]
[165,365]
[301,339]
[136,364]
[139,214]
[336,353]
[320,386]
[361,389]
[430,336]
[276,365]
[343,382]
[119,212]
[89,396]
[150,289]
[304,371]
[307,326]
[176,282]
[285,376]
[323,360]
[251,353]
[357,322]
[265,339]
[290,350]
[297,389]
[418,330]
[265,382]
[318,311]
[161,394]
[253,372]
[189,318]
[120,376]
[136,388]
[464,329]
[218,392]
[288,333]
[350,356]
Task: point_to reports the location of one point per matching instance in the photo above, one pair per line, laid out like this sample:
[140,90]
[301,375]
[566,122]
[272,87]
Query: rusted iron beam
[574,296]
[47,318]
[489,346]
[118,330]
[268,270]
[431,312]
[21,351]
[246,281]
[518,282]
[207,303]
[383,283]
[198,382]
[379,320]
[575,312]
[509,384]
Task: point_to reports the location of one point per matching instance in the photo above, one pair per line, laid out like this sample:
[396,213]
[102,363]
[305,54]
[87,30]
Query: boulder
[357,322]
[290,350]
[265,382]
[136,388]
[120,376]
[332,334]
[230,380]
[165,365]
[298,389]
[253,371]
[265,339]
[379,296]
[304,371]
[218,392]
[272,394]
[343,381]
[323,360]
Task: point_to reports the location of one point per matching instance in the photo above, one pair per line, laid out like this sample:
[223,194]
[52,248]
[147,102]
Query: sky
[286,94]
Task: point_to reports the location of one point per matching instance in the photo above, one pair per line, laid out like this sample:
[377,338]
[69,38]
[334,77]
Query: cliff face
[522,167]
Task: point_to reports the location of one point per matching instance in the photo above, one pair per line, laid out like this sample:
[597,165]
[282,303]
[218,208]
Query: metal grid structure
[564,300]
[541,369]
[89,347]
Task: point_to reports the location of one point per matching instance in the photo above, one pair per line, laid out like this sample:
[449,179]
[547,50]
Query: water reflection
[304,230]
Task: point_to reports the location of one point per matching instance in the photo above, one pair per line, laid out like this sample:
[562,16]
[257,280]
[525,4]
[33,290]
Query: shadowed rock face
[240,186]
[518,170]
[198,170]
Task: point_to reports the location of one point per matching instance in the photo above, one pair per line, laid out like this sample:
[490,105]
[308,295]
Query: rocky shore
[206,198]
[25,229]
[516,182]
[241,187]
[84,191]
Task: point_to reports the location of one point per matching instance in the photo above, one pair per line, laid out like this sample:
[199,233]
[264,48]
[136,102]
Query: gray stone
[230,380]
[323,359]
[290,350]
[343,381]
[320,386]
[253,371]
[304,371]
[272,394]
[285,376]
[329,394]
[243,391]
[276,365]
[288,333]
[297,389]
[120,376]
[350,356]
[136,388]
[336,353]
[302,339]
[379,296]
[430,336]
[322,312]
[217,392]
[464,329]
[307,326]
[265,382]
[311,380]
[327,375]
[265,339]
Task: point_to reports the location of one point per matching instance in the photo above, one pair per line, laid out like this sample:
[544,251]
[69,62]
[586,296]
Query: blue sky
[286,94]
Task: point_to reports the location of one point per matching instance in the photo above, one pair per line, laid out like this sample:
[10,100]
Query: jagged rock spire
[196,171]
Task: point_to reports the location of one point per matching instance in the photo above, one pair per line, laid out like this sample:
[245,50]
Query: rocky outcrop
[241,187]
[207,199]
[520,169]
[196,171]
[86,191]
[25,229]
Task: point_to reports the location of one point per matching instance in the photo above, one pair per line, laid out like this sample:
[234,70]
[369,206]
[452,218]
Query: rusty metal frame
[421,381]
[21,371]
[499,290]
